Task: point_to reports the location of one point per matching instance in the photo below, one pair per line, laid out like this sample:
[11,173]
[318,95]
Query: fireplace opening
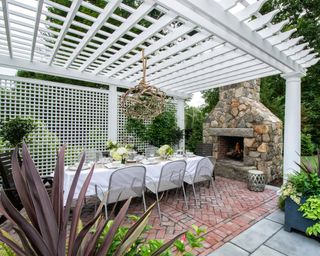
[230,148]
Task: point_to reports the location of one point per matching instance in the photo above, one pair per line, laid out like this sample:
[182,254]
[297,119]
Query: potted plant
[302,199]
[16,130]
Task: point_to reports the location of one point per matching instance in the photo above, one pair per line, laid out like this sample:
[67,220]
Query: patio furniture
[171,177]
[123,183]
[204,149]
[203,172]
[256,180]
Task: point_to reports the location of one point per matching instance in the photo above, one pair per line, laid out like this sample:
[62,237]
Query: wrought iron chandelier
[143,101]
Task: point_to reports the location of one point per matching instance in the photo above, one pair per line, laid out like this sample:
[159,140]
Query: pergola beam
[64,30]
[143,9]
[212,17]
[7,25]
[102,18]
[163,22]
[22,64]
[36,29]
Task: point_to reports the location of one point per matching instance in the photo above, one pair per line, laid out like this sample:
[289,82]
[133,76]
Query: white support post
[292,123]
[180,120]
[112,113]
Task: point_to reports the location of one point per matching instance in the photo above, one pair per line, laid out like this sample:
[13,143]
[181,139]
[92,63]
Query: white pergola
[191,45]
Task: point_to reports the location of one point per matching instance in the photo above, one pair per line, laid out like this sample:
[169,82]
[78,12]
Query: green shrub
[16,130]
[307,146]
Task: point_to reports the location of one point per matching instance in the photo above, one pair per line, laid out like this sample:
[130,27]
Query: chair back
[6,170]
[125,183]
[172,175]
[204,149]
[204,170]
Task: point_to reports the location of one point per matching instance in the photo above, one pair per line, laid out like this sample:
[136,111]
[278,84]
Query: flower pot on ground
[301,193]
[294,218]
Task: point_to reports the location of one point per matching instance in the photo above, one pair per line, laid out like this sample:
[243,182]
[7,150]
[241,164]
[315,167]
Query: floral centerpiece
[165,151]
[112,145]
[301,195]
[119,154]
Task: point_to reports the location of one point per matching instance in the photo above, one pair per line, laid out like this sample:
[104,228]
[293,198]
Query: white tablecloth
[101,176]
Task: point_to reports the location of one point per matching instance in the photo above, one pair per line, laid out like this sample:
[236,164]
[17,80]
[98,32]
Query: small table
[256,180]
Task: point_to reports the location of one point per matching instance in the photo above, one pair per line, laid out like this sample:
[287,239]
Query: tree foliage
[303,15]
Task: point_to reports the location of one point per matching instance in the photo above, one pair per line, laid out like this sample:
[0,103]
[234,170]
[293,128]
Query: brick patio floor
[225,211]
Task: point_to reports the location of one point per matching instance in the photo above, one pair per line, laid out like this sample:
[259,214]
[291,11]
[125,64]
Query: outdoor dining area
[97,156]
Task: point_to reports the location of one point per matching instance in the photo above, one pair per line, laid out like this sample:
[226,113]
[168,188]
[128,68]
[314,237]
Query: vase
[123,161]
[294,218]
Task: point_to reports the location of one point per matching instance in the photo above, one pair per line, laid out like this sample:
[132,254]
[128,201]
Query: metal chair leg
[144,201]
[212,182]
[106,210]
[158,204]
[194,193]
[185,197]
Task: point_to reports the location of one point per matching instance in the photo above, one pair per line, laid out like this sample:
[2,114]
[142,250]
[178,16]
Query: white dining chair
[203,172]
[123,183]
[171,177]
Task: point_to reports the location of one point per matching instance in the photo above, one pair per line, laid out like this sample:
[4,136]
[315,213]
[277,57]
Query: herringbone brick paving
[225,211]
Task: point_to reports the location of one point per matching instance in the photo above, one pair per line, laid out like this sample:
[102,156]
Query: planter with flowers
[165,151]
[302,199]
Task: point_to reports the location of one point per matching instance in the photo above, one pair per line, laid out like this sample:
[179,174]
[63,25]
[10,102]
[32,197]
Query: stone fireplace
[244,133]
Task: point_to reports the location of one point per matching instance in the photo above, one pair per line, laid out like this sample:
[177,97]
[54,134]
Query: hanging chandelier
[143,101]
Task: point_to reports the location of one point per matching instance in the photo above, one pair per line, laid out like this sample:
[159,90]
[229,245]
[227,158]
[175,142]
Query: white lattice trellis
[68,114]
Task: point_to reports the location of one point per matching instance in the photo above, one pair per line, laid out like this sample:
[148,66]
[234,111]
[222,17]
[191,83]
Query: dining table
[102,173]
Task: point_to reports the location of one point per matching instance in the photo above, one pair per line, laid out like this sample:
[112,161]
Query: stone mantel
[234,132]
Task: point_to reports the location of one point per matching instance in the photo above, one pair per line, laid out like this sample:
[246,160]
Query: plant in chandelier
[143,101]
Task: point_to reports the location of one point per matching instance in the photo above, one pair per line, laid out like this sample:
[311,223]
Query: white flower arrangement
[165,151]
[119,154]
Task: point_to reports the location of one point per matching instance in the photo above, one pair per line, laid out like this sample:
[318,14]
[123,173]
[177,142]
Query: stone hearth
[239,113]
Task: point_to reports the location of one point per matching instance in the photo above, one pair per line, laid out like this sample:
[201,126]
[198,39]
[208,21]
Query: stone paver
[277,216]
[254,237]
[294,244]
[266,251]
[226,211]
[229,249]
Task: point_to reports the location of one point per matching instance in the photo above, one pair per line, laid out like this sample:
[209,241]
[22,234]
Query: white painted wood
[207,68]
[234,73]
[180,120]
[71,14]
[286,45]
[112,113]
[175,34]
[273,29]
[143,9]
[184,57]
[36,29]
[7,25]
[100,21]
[211,16]
[277,39]
[292,124]
[295,49]
[263,20]
[228,4]
[307,58]
[218,72]
[301,54]
[234,81]
[250,10]
[311,62]
[148,33]
[166,54]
